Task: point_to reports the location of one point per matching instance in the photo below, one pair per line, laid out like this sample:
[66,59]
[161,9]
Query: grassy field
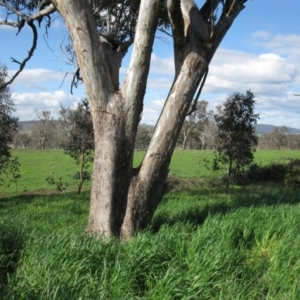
[36,165]
[202,244]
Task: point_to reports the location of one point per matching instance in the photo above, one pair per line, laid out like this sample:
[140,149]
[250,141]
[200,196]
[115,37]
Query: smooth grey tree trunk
[123,199]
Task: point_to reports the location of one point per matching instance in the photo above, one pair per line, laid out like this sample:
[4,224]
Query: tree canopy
[8,123]
[8,127]
[236,137]
[79,138]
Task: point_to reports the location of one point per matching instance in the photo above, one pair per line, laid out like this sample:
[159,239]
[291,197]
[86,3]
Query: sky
[261,53]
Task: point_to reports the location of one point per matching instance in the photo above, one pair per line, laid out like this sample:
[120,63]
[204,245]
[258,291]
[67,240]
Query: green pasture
[201,244]
[36,165]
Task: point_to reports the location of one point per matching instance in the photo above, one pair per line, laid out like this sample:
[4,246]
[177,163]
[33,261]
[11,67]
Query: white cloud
[57,23]
[28,103]
[162,65]
[287,45]
[152,111]
[34,77]
[267,68]
[159,83]
[271,75]
[261,35]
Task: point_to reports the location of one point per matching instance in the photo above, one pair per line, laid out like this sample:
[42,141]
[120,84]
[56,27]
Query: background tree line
[198,132]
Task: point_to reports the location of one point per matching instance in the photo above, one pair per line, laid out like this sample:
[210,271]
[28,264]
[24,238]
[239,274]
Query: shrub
[289,173]
[60,184]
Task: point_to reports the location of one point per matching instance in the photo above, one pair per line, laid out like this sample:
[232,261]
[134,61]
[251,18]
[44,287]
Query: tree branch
[24,18]
[231,8]
[123,48]
[194,106]
[76,78]
[195,25]
[209,7]
[14,10]
[9,23]
[135,83]
[42,13]
[176,19]
[27,58]
[165,32]
[90,52]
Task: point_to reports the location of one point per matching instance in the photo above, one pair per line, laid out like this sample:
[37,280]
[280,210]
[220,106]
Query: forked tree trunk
[146,189]
[123,199]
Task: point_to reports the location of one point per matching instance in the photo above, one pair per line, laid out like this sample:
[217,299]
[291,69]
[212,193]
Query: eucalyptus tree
[79,138]
[22,140]
[279,137]
[143,136]
[236,138]
[124,198]
[44,129]
[8,123]
[194,123]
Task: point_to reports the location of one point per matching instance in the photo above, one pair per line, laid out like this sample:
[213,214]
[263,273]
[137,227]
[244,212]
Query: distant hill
[26,126]
[265,128]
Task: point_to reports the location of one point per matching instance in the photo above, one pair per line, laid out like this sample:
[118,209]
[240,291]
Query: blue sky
[260,52]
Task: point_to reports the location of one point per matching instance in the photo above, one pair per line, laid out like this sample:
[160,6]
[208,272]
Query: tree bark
[111,175]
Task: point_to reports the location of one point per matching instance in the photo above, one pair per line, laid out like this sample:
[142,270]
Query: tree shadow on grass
[15,200]
[259,195]
[12,243]
[269,195]
[196,217]
[9,201]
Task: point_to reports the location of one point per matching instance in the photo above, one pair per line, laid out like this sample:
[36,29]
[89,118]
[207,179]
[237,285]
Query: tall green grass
[201,244]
